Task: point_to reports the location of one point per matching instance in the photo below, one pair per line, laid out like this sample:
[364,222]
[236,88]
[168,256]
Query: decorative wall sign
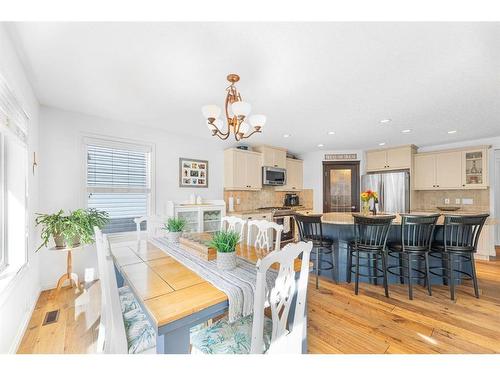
[341,156]
[193,173]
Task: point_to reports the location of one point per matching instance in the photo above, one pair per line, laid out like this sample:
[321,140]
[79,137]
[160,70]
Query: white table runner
[238,284]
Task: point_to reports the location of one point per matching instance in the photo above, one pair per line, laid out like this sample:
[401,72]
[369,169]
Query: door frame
[355,165]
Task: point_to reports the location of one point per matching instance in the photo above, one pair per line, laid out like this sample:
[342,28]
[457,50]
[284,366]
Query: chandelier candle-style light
[236,115]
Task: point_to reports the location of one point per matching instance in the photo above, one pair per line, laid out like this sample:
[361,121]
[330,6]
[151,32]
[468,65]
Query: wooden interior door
[341,182]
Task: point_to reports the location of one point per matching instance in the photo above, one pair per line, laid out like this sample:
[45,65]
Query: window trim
[4,260]
[113,142]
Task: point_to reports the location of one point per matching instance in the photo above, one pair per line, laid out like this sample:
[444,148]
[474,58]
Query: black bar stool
[369,243]
[311,229]
[460,238]
[417,232]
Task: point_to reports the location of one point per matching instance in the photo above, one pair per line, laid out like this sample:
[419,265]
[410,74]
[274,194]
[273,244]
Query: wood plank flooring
[339,321]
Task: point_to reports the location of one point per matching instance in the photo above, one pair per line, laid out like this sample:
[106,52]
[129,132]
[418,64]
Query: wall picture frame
[193,173]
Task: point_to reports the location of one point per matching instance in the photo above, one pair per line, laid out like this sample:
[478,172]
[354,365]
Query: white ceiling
[308,78]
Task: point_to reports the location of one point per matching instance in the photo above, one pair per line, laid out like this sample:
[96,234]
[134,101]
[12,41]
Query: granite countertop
[263,212]
[346,218]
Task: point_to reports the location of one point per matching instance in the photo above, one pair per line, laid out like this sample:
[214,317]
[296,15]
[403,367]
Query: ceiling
[308,78]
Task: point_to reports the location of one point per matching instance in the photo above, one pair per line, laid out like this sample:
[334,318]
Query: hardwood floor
[339,321]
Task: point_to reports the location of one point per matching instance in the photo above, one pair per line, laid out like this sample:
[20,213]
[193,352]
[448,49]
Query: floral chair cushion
[229,338]
[140,334]
[127,300]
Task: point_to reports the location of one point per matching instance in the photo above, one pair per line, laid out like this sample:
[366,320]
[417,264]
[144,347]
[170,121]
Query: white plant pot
[173,236]
[226,261]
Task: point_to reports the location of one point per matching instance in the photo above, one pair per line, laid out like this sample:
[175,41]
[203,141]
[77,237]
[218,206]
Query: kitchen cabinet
[272,156]
[242,170]
[390,159]
[451,169]
[204,217]
[294,175]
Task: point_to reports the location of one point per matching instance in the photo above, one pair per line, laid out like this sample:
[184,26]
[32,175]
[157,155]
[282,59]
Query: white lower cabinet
[200,218]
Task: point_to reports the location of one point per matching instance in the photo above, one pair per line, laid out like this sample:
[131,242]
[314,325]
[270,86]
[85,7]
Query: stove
[278,216]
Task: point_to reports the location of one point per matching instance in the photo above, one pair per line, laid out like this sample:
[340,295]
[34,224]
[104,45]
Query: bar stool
[417,232]
[311,229]
[370,242]
[460,238]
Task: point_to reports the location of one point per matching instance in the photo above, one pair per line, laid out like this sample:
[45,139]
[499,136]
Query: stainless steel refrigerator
[393,189]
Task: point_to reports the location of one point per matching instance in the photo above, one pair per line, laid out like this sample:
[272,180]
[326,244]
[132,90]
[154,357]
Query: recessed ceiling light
[452,131]
[406,131]
[321,145]
[381,144]
[286,135]
[331,133]
[385,121]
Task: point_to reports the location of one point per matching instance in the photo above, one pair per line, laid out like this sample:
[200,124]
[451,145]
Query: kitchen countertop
[263,212]
[346,218]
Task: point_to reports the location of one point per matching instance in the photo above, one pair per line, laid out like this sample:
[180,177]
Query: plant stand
[69,275]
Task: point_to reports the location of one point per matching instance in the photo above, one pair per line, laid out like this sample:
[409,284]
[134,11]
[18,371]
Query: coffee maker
[291,199]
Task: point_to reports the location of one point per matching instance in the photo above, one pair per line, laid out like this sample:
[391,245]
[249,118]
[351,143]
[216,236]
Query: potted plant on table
[174,226]
[70,230]
[225,242]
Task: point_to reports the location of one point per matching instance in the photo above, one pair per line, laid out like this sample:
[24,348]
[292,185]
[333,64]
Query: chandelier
[237,119]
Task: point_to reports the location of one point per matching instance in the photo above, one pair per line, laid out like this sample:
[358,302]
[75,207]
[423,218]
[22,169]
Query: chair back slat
[461,232]
[153,224]
[371,231]
[287,335]
[264,236]
[235,224]
[417,231]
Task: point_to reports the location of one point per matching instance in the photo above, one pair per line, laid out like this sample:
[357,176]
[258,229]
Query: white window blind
[118,182]
[13,180]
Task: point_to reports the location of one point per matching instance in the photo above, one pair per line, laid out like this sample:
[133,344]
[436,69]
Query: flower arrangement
[366,196]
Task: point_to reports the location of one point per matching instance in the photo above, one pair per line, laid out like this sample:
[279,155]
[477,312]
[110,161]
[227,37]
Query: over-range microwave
[273,176]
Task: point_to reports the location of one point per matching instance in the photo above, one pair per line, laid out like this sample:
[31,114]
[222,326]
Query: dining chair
[154,226]
[264,236]
[231,223]
[417,232]
[124,327]
[460,238]
[285,331]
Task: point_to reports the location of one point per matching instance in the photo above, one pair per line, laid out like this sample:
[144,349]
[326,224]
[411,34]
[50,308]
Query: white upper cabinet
[272,156]
[294,175]
[389,159]
[242,170]
[455,169]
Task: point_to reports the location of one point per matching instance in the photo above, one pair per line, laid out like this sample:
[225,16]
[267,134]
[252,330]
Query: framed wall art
[193,173]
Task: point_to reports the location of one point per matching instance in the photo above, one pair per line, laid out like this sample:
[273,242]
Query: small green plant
[225,241]
[72,229]
[175,224]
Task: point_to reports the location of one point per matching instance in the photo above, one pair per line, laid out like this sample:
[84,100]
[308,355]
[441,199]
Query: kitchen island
[340,227]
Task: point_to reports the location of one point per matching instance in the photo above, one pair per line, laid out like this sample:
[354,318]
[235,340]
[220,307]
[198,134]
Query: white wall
[62,161]
[313,172]
[18,297]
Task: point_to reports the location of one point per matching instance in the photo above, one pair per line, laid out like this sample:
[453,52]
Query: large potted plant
[70,230]
[225,242]
[174,228]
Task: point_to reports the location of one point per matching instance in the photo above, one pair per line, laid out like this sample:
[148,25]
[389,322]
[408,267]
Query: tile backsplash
[429,200]
[267,197]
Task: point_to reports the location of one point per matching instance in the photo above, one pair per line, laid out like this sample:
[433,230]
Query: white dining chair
[286,331]
[124,327]
[154,226]
[265,234]
[233,223]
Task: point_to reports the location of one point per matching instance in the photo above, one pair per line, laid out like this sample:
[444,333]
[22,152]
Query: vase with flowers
[366,197]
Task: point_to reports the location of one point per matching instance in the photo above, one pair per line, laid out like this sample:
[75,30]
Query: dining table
[173,297]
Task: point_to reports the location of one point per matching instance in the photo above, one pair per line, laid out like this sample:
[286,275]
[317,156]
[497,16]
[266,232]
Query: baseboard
[22,328]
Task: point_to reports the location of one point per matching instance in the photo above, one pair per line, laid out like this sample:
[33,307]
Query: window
[13,181]
[119,182]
